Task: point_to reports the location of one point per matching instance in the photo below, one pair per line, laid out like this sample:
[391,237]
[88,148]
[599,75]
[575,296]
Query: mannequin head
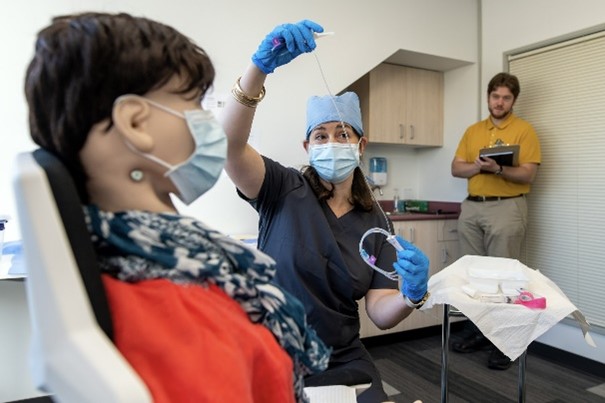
[82,64]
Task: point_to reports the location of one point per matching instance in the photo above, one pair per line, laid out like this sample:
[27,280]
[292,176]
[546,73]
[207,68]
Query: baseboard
[38,399]
[567,359]
[544,351]
[409,334]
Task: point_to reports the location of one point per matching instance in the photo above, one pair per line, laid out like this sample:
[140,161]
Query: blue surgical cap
[321,110]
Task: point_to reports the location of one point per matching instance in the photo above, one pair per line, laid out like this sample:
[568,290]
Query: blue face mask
[196,175]
[334,162]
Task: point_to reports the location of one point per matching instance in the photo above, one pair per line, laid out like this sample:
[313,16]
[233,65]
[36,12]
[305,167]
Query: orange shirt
[195,344]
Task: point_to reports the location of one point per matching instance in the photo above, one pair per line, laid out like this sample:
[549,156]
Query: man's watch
[418,304]
[499,171]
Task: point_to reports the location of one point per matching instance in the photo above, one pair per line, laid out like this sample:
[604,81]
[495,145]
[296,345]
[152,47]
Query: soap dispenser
[378,170]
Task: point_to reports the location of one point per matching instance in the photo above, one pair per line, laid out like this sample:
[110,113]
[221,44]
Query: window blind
[563,97]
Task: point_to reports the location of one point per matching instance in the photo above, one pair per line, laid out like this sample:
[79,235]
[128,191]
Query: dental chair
[72,355]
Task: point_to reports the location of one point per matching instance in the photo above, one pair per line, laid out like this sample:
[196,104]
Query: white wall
[460,97]
[230,30]
[516,24]
[520,23]
[366,33]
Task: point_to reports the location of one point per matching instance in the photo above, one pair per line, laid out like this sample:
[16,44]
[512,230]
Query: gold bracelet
[418,304]
[244,99]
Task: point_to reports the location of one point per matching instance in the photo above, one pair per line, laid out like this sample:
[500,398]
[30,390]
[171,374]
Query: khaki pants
[493,228]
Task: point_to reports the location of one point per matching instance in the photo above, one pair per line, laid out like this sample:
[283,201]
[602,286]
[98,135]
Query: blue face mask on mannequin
[196,175]
[334,162]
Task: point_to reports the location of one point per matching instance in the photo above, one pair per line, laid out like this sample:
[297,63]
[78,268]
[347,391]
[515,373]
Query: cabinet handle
[401,131]
[412,235]
[412,132]
[444,255]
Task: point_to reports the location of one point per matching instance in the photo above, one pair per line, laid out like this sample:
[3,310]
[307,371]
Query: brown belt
[490,198]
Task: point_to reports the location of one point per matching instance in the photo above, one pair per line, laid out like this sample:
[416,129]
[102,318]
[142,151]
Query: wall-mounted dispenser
[378,170]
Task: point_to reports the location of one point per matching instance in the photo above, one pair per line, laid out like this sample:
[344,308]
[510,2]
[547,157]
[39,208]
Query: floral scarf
[137,245]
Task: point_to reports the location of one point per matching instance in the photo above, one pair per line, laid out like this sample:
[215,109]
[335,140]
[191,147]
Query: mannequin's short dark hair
[83,62]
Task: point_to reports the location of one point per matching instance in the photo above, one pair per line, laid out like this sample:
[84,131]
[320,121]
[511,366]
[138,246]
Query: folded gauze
[337,108]
[511,327]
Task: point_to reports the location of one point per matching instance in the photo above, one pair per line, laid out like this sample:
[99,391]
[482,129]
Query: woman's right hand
[285,43]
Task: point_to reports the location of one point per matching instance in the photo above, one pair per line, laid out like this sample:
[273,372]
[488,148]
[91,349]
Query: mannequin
[117,99]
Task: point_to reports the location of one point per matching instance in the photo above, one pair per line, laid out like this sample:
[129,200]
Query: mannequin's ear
[130,116]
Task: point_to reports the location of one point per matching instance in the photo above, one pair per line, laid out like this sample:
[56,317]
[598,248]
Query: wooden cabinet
[402,105]
[438,239]
[448,247]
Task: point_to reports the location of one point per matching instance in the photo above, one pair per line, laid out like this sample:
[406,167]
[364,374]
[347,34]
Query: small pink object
[277,42]
[527,299]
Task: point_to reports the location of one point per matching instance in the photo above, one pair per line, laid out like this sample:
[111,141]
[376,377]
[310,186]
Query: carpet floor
[411,369]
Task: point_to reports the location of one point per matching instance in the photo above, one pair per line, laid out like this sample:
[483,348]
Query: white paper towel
[510,327]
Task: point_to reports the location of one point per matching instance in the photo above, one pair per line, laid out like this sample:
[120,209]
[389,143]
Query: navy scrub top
[317,255]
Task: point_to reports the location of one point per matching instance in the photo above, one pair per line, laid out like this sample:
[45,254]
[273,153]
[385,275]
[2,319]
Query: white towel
[510,327]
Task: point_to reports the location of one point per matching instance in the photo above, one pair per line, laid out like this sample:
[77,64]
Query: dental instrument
[370,259]
[278,42]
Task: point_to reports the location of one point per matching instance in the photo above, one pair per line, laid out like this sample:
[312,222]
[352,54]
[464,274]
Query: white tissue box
[512,287]
[484,285]
[492,280]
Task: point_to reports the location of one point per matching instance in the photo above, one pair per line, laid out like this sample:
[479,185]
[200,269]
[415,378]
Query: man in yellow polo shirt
[493,217]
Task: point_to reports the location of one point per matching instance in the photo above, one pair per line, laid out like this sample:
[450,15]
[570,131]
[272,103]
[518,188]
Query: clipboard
[503,155]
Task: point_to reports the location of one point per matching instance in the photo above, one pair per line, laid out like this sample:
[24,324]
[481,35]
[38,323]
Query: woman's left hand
[413,267]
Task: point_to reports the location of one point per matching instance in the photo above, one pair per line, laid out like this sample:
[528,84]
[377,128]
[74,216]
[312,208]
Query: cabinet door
[387,104]
[405,105]
[447,230]
[423,234]
[449,252]
[447,239]
[424,107]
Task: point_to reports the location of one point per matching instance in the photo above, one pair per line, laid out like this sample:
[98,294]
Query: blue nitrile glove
[413,267]
[284,43]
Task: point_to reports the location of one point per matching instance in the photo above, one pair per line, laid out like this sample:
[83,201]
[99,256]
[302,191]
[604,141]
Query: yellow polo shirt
[513,130]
